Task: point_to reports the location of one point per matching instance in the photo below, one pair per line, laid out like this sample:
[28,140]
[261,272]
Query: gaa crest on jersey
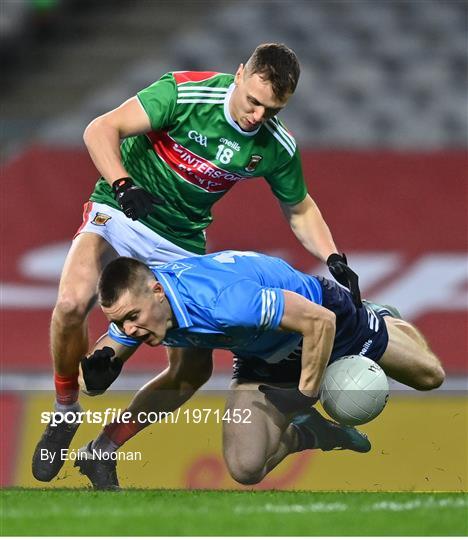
[202,140]
[254,161]
[100,219]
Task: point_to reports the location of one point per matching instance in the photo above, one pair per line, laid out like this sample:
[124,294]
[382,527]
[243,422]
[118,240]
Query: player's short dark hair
[120,275]
[278,64]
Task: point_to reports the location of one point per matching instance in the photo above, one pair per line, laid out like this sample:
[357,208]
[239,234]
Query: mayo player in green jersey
[187,140]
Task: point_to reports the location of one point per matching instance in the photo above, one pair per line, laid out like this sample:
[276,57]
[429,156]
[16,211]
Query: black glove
[134,201]
[287,400]
[339,269]
[100,370]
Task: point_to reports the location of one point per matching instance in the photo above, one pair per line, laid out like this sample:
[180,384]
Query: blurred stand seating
[374,74]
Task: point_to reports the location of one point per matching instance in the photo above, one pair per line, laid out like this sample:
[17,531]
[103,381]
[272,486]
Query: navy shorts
[358,331]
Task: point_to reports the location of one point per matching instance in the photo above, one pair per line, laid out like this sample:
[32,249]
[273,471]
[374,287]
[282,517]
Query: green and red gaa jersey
[196,153]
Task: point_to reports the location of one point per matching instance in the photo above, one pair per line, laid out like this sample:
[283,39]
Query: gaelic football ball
[354,390]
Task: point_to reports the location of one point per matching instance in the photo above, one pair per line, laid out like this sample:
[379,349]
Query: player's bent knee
[245,469]
[70,309]
[245,476]
[432,377]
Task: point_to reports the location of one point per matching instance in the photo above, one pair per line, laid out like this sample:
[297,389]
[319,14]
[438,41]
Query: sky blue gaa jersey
[231,300]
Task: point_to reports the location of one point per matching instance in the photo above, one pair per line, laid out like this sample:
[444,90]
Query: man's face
[145,315]
[253,101]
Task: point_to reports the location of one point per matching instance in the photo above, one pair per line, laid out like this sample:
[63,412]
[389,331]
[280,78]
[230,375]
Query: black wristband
[122,184]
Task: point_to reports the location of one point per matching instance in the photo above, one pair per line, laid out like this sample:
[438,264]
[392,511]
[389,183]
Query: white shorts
[129,238]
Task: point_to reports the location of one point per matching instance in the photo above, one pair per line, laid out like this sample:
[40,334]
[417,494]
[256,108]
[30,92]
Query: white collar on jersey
[230,119]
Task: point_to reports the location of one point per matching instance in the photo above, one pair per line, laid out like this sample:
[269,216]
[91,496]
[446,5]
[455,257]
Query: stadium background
[381,117]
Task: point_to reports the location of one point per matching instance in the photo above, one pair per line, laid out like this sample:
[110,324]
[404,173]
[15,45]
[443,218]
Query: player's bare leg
[411,331]
[408,358]
[186,373]
[88,254]
[77,294]
[252,450]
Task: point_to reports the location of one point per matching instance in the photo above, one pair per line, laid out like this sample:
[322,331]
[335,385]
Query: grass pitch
[225,513]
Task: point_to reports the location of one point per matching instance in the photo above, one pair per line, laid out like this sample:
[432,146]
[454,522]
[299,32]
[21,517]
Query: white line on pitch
[391,506]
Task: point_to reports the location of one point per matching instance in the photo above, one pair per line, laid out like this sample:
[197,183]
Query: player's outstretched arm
[102,137]
[317,325]
[310,228]
[308,225]
[188,370]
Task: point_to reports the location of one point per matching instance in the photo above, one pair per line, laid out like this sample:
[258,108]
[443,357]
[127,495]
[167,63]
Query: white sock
[103,443]
[69,407]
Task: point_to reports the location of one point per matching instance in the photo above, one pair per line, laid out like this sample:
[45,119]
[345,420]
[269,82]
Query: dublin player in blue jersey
[283,327]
